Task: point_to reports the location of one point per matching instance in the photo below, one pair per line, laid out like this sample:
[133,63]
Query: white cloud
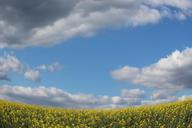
[10,63]
[80,24]
[158,101]
[117,100]
[184,4]
[185,97]
[165,99]
[68,19]
[52,96]
[133,93]
[50,68]
[163,94]
[33,75]
[172,72]
[126,73]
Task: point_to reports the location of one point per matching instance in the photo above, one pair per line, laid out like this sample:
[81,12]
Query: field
[169,115]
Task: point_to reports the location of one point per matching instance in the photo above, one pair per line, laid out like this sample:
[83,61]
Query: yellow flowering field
[168,115]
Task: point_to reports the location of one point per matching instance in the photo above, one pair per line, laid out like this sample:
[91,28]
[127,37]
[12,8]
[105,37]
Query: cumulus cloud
[33,75]
[52,96]
[46,22]
[163,94]
[55,97]
[172,72]
[10,63]
[133,93]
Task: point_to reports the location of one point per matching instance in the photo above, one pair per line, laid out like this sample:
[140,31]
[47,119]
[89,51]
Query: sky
[94,53]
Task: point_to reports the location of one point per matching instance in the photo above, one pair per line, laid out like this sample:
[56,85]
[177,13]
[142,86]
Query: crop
[169,115]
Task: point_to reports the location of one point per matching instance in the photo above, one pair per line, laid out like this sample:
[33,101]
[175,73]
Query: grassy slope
[170,115]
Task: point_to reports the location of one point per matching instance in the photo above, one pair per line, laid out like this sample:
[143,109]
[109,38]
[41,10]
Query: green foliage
[171,115]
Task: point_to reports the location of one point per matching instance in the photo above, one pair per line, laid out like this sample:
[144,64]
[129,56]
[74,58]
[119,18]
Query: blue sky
[89,61]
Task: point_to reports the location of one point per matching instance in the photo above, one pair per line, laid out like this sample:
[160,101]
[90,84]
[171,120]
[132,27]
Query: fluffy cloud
[184,4]
[33,75]
[52,96]
[10,63]
[172,72]
[55,97]
[133,93]
[163,94]
[46,22]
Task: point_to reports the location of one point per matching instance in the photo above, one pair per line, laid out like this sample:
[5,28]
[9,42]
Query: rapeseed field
[168,115]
